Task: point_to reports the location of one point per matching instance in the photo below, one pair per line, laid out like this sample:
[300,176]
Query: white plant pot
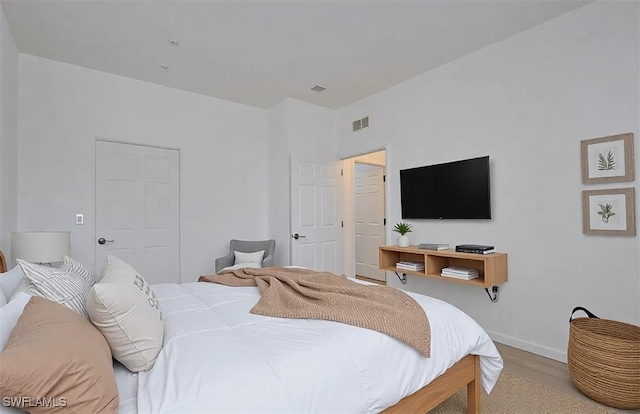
[403,241]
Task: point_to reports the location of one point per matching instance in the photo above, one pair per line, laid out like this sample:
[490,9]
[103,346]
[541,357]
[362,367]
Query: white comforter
[217,357]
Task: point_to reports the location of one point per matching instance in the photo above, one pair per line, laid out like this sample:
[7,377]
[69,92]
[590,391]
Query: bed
[251,360]
[217,357]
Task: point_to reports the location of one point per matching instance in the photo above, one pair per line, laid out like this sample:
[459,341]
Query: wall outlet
[79,218]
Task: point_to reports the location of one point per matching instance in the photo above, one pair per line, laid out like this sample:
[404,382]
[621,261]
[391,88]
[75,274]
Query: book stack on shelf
[415,266]
[460,273]
[433,246]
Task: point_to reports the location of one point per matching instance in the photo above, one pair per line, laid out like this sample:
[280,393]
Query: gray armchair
[247,246]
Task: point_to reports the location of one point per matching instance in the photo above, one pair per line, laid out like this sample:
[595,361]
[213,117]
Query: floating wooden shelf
[492,267]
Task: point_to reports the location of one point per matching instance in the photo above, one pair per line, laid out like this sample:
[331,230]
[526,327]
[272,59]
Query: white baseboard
[530,347]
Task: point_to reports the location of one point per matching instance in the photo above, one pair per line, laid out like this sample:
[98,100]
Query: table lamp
[40,247]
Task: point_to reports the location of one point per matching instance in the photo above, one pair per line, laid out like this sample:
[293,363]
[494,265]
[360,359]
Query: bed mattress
[218,357]
[127,382]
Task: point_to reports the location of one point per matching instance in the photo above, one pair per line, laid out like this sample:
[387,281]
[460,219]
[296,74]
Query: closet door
[316,231]
[369,219]
[137,208]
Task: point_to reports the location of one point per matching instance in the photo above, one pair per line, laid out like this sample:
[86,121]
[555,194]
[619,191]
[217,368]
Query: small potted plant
[403,229]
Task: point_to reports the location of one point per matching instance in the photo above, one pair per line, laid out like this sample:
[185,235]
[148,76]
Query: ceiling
[260,52]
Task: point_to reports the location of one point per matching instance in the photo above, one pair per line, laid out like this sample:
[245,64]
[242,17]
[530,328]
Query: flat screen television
[453,190]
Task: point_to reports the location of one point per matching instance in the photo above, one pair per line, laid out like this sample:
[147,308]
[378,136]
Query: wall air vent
[360,123]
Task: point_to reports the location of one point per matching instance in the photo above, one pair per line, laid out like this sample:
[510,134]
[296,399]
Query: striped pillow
[56,285]
[72,266]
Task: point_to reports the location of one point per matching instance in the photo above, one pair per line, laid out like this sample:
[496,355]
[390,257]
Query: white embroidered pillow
[126,311]
[254,257]
[56,285]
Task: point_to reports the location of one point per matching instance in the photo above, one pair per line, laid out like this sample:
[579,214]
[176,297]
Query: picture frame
[607,159]
[609,212]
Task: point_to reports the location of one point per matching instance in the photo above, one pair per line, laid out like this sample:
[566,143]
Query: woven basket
[604,360]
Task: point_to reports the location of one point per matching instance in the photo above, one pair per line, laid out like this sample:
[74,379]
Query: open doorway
[364,214]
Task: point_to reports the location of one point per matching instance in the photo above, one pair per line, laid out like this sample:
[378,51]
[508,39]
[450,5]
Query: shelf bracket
[403,278]
[494,290]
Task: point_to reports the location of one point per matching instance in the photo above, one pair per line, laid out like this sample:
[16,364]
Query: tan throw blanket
[307,294]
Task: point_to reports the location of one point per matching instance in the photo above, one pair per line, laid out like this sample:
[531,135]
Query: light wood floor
[368,279]
[545,371]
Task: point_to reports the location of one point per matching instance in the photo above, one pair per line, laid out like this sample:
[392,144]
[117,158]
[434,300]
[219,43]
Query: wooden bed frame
[3,263]
[464,372]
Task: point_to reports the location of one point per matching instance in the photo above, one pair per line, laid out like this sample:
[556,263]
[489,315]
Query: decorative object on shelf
[604,360]
[40,246]
[609,212]
[403,229]
[607,159]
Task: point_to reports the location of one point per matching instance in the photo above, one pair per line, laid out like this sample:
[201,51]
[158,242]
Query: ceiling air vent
[360,123]
[318,88]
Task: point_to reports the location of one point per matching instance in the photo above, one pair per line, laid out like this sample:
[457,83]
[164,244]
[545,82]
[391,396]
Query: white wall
[223,146]
[8,136]
[279,205]
[527,102]
[307,132]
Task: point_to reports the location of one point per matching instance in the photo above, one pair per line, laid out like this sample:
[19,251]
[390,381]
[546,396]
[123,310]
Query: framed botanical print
[607,159]
[609,212]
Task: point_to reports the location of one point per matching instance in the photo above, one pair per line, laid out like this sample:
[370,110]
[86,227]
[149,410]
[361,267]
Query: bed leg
[473,389]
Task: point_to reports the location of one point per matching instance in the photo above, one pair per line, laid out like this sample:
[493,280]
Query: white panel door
[315,219]
[369,219]
[137,208]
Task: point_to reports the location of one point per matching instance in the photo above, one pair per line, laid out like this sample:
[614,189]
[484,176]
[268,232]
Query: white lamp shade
[40,247]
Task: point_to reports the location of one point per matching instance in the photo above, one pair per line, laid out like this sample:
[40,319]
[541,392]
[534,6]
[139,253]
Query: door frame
[95,195]
[348,205]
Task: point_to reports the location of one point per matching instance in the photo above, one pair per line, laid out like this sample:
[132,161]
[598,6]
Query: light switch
[79,218]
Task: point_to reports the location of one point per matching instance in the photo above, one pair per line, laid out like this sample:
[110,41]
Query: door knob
[297,236]
[102,240]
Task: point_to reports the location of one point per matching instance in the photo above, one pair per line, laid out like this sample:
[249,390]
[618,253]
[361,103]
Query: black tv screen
[453,190]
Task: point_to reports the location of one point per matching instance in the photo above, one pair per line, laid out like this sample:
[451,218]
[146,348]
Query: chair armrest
[225,261]
[267,261]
